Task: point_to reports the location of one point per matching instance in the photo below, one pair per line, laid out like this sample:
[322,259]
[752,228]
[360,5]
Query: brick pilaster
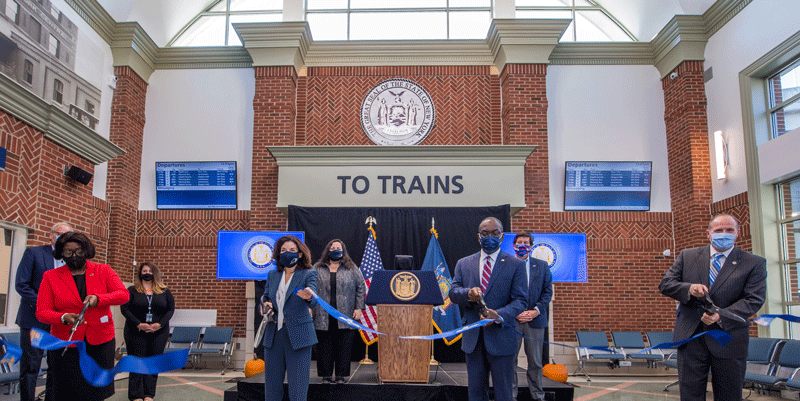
[524,121]
[124,172]
[688,152]
[274,112]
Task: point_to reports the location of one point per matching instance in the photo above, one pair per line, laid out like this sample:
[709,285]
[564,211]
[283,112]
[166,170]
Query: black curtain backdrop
[399,231]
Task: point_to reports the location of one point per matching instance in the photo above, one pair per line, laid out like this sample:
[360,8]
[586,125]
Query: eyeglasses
[67,253]
[495,233]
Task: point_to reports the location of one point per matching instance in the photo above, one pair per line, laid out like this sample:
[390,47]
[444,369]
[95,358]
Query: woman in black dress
[147,316]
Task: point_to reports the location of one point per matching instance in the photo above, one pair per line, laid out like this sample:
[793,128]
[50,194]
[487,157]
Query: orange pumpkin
[557,372]
[253,367]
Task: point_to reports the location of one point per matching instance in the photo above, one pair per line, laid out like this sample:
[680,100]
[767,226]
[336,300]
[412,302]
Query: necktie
[487,272]
[716,266]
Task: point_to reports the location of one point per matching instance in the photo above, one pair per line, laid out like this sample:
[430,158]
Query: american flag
[370,263]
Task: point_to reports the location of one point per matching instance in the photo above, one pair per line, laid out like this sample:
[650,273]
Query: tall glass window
[27,72]
[58,91]
[789,205]
[213,27]
[590,21]
[12,9]
[784,94]
[6,281]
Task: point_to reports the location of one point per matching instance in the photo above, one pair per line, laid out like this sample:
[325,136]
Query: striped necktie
[487,272]
[716,266]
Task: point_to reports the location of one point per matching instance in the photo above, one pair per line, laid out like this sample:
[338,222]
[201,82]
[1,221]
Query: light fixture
[721,153]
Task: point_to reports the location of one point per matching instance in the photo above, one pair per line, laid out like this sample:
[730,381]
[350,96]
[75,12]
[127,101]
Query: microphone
[76,323]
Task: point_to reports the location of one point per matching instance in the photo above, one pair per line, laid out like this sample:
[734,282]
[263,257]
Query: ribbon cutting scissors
[75,324]
[710,308]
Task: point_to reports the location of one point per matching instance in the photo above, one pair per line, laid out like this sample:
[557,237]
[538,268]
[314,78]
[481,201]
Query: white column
[294,10]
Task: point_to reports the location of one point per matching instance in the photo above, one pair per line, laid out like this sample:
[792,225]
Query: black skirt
[68,382]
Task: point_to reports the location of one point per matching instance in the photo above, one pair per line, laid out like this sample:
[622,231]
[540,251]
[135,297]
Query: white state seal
[397,112]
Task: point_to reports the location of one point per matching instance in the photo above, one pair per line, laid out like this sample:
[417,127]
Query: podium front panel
[402,360]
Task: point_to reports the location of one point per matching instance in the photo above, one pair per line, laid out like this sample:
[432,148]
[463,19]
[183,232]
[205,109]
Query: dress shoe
[340,380]
[327,379]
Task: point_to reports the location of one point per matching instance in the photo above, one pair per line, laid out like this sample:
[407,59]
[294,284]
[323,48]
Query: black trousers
[334,347]
[694,363]
[68,382]
[29,364]
[140,343]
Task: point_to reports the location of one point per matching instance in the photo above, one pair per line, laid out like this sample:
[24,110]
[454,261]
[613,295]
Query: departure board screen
[608,186]
[196,185]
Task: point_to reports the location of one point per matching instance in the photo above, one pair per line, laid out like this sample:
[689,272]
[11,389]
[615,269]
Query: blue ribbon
[722,338]
[766,320]
[352,323]
[13,352]
[99,377]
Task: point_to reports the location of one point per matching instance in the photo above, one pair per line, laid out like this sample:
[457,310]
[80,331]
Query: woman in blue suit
[290,332]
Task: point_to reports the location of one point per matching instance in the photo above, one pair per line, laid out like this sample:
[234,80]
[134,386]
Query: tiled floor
[208,385]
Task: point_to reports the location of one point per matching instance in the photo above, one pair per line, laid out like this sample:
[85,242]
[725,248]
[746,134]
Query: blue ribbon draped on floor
[720,336]
[766,320]
[98,376]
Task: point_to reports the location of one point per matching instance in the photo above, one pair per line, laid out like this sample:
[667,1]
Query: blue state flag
[445,317]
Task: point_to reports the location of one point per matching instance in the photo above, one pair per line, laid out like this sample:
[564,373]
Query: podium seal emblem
[405,286]
[397,112]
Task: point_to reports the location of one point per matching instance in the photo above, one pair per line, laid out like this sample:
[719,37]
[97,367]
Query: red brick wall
[124,172]
[689,154]
[34,191]
[183,244]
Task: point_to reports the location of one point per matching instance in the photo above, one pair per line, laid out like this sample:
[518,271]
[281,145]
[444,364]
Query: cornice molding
[96,16]
[383,52]
[132,47]
[55,124]
[276,43]
[682,39]
[524,41]
[616,53]
[720,13]
[494,155]
[202,57]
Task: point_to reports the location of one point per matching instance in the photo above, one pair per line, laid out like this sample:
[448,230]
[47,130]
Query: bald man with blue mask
[735,281]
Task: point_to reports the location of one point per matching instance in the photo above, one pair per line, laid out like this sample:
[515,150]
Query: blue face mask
[722,241]
[490,244]
[289,259]
[335,255]
[522,250]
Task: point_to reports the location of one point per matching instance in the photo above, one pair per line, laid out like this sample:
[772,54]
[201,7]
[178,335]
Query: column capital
[684,38]
[132,47]
[275,43]
[524,41]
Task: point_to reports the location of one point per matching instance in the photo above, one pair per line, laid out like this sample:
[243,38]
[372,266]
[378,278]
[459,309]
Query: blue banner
[446,317]
[565,254]
[99,377]
[766,320]
[247,255]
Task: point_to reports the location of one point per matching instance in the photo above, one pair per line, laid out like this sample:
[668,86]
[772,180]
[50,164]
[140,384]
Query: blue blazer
[35,261]
[296,317]
[505,294]
[540,291]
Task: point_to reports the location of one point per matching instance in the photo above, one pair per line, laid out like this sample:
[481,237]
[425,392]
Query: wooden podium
[405,301]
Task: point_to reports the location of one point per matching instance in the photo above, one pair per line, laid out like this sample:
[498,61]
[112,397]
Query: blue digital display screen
[564,253]
[247,255]
[196,185]
[622,186]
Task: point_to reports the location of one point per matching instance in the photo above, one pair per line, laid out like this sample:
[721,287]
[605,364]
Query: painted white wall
[774,164]
[199,115]
[757,29]
[94,63]
[607,113]
[162,20]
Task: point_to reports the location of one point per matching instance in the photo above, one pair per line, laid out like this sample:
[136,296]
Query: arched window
[212,27]
[590,21]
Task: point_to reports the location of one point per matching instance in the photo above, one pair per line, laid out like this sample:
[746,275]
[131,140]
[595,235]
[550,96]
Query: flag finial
[433,228]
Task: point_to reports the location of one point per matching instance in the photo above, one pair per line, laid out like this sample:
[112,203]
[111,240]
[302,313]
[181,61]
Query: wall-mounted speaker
[78,174]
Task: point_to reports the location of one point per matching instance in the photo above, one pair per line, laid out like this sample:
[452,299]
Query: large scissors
[269,316]
[710,308]
[76,323]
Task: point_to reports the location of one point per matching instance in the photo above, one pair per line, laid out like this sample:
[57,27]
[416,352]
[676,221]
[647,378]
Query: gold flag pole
[366,361]
[433,231]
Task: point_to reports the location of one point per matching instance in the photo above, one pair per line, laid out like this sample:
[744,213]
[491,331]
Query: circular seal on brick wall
[397,112]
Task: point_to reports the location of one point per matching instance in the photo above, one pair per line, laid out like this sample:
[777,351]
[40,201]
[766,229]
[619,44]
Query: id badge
[148,318]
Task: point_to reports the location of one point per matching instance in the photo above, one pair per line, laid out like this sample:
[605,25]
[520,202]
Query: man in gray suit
[735,281]
[35,261]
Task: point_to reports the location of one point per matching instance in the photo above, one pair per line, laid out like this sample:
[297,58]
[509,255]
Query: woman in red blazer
[62,295]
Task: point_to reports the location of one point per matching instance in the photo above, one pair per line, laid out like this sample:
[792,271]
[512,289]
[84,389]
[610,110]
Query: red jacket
[59,295]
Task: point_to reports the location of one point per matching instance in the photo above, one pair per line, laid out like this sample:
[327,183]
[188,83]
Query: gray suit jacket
[350,293]
[740,288]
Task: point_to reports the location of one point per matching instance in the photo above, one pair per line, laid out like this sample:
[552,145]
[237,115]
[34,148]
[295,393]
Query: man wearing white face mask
[735,281]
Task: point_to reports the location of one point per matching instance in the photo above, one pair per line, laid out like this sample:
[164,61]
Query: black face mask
[146,277]
[75,262]
[336,255]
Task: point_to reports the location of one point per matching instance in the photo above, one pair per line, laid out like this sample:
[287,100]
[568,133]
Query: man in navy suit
[35,261]
[499,279]
[736,281]
[532,322]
